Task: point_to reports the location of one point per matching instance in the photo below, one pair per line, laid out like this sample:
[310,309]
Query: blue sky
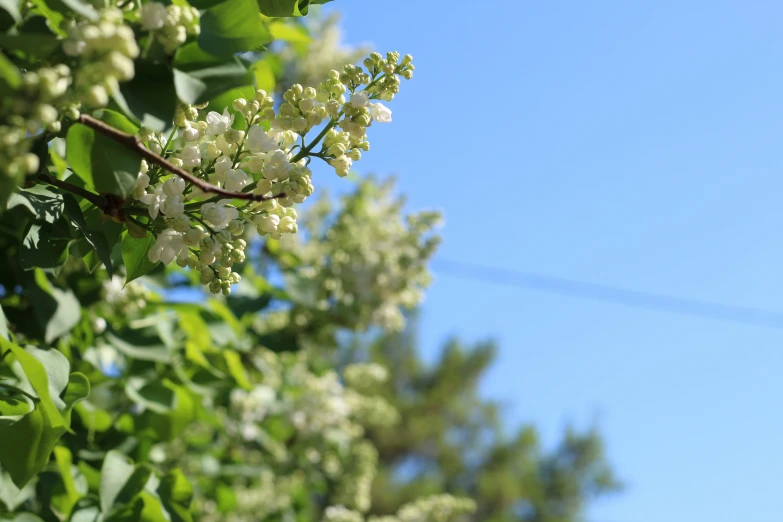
[634,144]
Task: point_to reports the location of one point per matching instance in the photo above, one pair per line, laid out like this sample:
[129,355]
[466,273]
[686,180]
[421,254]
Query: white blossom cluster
[256,149]
[369,263]
[106,49]
[325,439]
[170,24]
[435,508]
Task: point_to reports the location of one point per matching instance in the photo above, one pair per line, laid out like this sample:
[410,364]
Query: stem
[97,200]
[133,143]
[305,151]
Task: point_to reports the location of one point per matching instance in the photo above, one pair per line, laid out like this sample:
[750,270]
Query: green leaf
[170,408]
[42,203]
[142,343]
[283,7]
[9,73]
[40,249]
[95,238]
[176,493]
[264,75]
[205,4]
[93,418]
[32,45]
[3,325]
[232,27]
[12,496]
[237,369]
[14,406]
[203,84]
[28,443]
[57,311]
[289,33]
[224,100]
[102,163]
[12,8]
[135,256]
[154,108]
[37,375]
[64,462]
[116,470]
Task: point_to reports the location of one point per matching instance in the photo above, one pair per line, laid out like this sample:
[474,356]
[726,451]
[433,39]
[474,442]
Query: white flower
[277,165]
[267,223]
[360,99]
[217,123]
[235,180]
[174,186]
[259,141]
[287,224]
[173,207]
[342,165]
[140,187]
[219,214]
[222,168]
[190,134]
[153,16]
[193,236]
[168,245]
[190,155]
[154,200]
[380,113]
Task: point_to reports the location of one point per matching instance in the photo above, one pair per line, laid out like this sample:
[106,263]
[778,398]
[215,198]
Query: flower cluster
[106,49]
[170,24]
[370,263]
[435,508]
[254,148]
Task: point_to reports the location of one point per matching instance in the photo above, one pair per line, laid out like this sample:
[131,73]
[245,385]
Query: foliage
[449,439]
[143,157]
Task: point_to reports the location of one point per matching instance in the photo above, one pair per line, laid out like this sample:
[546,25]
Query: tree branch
[134,143]
[99,201]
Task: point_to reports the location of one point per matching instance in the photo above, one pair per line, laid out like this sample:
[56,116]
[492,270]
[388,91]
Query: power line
[610,294]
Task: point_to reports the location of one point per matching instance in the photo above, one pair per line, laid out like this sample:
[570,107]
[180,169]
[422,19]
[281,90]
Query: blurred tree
[449,439]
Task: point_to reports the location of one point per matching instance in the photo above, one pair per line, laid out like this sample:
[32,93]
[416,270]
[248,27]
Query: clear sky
[629,143]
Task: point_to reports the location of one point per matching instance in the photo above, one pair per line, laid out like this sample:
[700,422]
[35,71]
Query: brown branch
[96,199]
[134,143]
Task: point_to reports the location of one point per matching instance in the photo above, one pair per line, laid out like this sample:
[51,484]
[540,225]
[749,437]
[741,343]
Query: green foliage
[450,439]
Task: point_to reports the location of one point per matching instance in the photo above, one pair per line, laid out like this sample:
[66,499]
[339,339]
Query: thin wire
[610,294]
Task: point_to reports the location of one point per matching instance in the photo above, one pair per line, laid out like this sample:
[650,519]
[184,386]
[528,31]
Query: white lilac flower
[219,214]
[219,123]
[277,165]
[154,200]
[168,245]
[140,187]
[190,155]
[259,141]
[153,16]
[380,113]
[360,99]
[235,180]
[174,186]
[173,207]
[190,134]
[342,165]
[267,223]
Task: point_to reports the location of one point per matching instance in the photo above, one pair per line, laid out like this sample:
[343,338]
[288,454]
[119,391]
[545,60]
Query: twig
[96,199]
[134,143]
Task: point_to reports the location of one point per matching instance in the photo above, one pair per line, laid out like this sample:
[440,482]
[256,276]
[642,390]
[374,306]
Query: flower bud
[239,104]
